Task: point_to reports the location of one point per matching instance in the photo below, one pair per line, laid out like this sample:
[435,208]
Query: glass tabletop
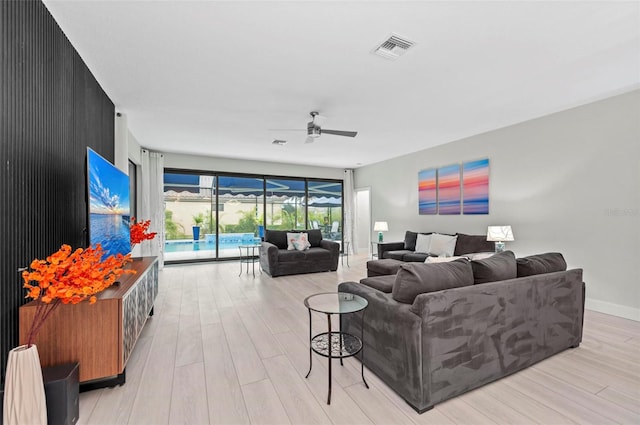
[335,302]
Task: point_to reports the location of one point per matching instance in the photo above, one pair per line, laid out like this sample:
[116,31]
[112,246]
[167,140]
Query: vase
[24,397]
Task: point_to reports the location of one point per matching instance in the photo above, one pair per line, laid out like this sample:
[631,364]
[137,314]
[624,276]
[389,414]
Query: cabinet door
[129,323]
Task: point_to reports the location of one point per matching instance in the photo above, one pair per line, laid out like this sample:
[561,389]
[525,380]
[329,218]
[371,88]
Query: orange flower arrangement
[139,231]
[69,277]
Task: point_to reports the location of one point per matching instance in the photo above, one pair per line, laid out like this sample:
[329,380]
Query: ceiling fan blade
[286,129]
[340,133]
[310,139]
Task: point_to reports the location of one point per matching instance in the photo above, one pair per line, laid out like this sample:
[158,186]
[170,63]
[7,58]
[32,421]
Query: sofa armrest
[388,246]
[331,246]
[268,256]
[392,339]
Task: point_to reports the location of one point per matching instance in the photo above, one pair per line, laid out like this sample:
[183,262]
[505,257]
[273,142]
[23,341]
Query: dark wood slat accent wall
[51,109]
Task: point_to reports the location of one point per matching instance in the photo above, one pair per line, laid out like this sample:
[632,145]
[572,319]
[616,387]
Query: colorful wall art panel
[449,190]
[475,187]
[428,191]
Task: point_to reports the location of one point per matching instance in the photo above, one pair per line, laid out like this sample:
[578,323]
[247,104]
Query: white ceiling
[212,78]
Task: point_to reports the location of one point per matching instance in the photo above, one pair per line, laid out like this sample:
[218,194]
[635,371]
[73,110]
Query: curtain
[349,212]
[152,205]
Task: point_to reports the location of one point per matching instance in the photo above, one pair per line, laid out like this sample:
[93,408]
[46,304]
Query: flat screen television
[109,210]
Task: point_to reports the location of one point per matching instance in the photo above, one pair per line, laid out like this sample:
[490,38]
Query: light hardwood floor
[224,349]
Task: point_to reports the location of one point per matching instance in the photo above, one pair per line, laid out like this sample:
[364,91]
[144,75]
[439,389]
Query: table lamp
[380,226]
[499,235]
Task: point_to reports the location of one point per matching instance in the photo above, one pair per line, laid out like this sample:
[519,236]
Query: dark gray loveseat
[276,260]
[432,346]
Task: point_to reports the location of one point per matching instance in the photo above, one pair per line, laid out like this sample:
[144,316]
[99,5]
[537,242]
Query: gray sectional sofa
[276,260]
[435,331]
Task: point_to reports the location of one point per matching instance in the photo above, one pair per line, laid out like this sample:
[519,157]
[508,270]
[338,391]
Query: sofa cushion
[467,244]
[415,257]
[397,254]
[542,263]
[423,243]
[413,279]
[500,266]
[276,237]
[387,266]
[315,236]
[317,254]
[410,240]
[442,245]
[285,256]
[381,283]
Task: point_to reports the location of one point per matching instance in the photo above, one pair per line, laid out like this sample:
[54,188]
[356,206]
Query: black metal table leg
[310,349]
[362,350]
[329,352]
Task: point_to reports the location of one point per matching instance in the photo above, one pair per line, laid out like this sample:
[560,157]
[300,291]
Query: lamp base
[500,246]
[380,237]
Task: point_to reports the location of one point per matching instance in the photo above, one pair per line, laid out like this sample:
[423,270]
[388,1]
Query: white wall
[204,163]
[567,182]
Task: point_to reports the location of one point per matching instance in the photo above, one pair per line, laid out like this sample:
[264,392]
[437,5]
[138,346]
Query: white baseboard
[613,309]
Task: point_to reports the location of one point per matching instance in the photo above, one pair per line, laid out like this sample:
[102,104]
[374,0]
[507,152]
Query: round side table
[332,344]
[248,256]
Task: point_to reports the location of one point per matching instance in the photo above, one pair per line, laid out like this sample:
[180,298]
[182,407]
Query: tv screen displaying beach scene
[109,210]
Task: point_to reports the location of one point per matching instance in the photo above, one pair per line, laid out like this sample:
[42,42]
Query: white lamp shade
[499,233]
[380,226]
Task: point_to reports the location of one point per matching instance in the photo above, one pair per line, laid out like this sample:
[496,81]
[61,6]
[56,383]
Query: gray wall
[567,182]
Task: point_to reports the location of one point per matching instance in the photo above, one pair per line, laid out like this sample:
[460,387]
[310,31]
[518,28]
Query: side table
[248,256]
[332,344]
[344,252]
[374,250]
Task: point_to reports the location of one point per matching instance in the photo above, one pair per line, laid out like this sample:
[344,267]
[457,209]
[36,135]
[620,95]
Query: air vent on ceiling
[279,142]
[393,47]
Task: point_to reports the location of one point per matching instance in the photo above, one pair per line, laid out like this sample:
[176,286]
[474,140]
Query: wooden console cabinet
[100,337]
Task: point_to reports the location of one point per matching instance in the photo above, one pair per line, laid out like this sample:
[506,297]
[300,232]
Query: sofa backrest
[500,266]
[279,237]
[410,239]
[467,244]
[541,263]
[413,279]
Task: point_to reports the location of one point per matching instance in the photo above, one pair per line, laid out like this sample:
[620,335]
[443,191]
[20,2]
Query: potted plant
[197,222]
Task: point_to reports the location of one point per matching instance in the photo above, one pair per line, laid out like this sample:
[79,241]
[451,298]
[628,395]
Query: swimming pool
[228,241]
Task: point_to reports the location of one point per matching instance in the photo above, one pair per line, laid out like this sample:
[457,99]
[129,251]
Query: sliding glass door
[324,209]
[190,217]
[240,213]
[208,216]
[285,204]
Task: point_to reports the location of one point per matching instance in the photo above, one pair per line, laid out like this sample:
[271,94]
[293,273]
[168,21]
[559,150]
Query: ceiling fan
[315,130]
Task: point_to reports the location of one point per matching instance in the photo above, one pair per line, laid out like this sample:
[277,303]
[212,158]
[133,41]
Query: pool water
[201,245]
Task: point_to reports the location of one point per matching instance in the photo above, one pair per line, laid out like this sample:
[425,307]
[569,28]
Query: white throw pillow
[291,237]
[431,260]
[299,241]
[442,245]
[302,243]
[479,255]
[423,243]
